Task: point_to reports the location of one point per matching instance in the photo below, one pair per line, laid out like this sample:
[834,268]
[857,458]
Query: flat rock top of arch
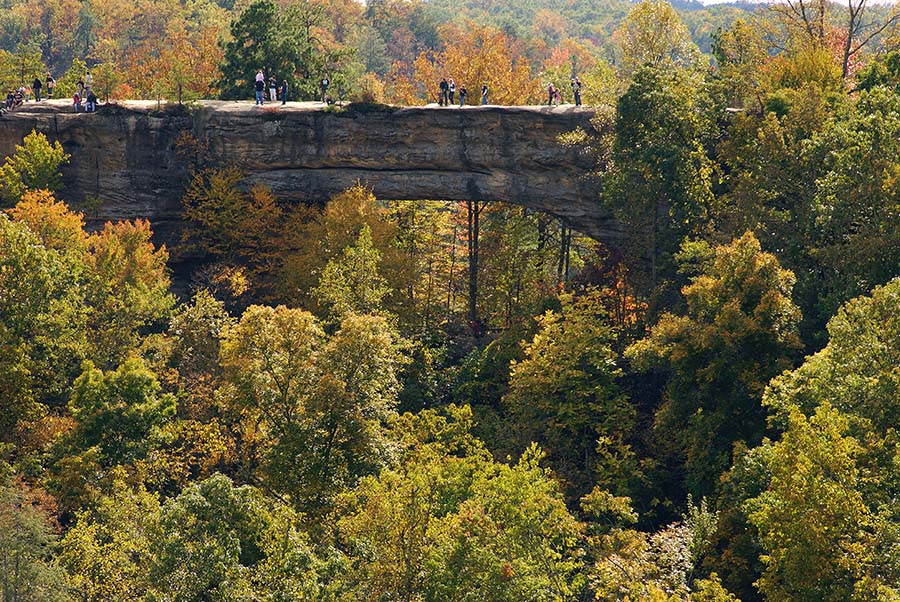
[248,107]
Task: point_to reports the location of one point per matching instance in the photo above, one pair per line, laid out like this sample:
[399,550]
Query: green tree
[658,181]
[120,412]
[350,283]
[33,166]
[740,52]
[212,541]
[20,67]
[107,551]
[323,400]
[853,240]
[653,35]
[449,523]
[283,42]
[813,518]
[663,566]
[739,331]
[127,288]
[27,538]
[565,396]
[42,321]
[827,506]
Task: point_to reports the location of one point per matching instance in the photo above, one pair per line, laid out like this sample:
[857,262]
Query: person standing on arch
[284,92]
[452,90]
[462,96]
[576,91]
[551,94]
[484,94]
[444,88]
[324,87]
[273,84]
[36,88]
[51,83]
[260,86]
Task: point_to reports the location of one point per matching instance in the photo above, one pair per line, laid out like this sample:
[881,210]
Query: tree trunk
[474,228]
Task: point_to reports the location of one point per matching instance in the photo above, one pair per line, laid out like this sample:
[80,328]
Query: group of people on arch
[447,91]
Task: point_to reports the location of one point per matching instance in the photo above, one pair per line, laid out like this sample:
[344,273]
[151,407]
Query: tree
[323,400]
[740,52]
[852,241]
[477,54]
[350,283]
[826,503]
[283,42]
[826,528]
[27,537]
[739,331]
[19,68]
[128,288]
[812,21]
[107,551]
[120,412]
[565,396]
[658,181]
[33,166]
[448,522]
[42,320]
[664,565]
[212,541]
[653,35]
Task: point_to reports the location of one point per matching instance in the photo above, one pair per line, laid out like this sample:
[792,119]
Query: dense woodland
[430,400]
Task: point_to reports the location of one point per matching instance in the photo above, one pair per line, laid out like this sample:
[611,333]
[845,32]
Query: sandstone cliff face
[124,161]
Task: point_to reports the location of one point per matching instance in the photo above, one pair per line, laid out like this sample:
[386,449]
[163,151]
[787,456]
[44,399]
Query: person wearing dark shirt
[260,87]
[576,91]
[442,99]
[91,106]
[36,88]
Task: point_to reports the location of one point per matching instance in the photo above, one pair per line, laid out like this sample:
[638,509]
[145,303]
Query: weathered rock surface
[124,163]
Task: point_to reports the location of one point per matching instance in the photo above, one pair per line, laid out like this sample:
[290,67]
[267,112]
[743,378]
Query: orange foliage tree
[477,54]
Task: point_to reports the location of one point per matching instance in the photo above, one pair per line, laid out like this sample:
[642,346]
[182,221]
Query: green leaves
[739,331]
[350,283]
[565,394]
[447,522]
[121,412]
[323,401]
[34,166]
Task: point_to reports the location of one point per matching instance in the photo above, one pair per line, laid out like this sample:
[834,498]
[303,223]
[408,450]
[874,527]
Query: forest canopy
[467,400]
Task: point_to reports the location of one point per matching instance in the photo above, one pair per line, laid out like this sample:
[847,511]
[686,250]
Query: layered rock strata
[125,164]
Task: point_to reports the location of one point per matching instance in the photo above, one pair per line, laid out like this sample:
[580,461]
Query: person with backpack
[452,90]
[260,87]
[551,94]
[445,87]
[462,96]
[484,94]
[51,83]
[36,88]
